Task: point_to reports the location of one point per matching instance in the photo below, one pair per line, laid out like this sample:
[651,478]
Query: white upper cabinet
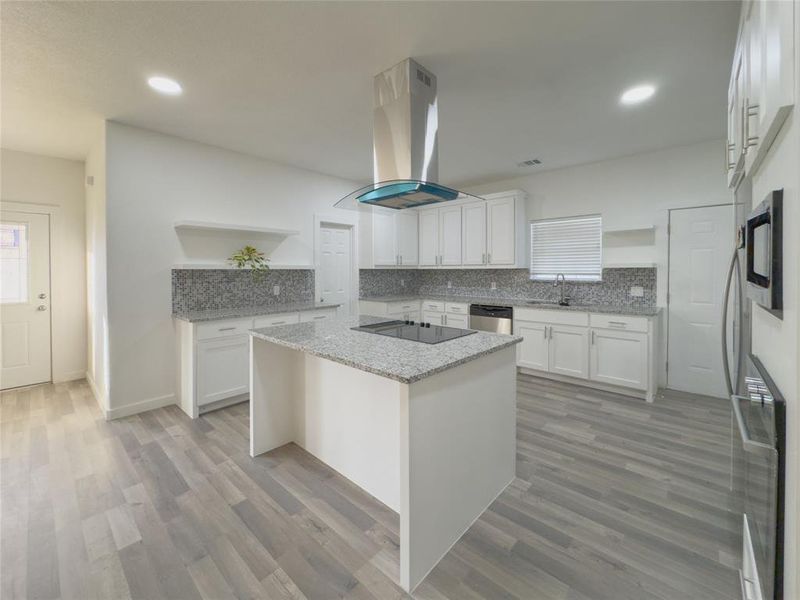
[450,236]
[489,233]
[394,238]
[384,240]
[473,217]
[761,88]
[429,237]
[501,228]
[406,229]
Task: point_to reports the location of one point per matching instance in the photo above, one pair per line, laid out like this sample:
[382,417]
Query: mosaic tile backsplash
[208,289]
[511,283]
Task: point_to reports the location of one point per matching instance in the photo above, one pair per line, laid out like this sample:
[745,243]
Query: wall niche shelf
[230,228]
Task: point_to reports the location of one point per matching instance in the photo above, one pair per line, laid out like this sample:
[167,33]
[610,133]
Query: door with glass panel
[24,299]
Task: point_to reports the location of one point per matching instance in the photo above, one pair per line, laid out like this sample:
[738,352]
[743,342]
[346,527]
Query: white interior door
[25,299]
[334,268]
[700,243]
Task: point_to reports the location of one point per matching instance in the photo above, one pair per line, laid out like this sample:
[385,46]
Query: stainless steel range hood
[405,142]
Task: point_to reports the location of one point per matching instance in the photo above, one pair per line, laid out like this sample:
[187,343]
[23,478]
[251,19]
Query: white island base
[438,451]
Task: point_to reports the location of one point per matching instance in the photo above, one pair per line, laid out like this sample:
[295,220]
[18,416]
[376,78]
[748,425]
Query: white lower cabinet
[568,350]
[456,320]
[533,352]
[435,312]
[619,358]
[611,350]
[222,368]
[215,357]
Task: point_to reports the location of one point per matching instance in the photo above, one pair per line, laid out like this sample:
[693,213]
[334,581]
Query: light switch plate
[402,283]
[637,291]
[276,290]
[449,284]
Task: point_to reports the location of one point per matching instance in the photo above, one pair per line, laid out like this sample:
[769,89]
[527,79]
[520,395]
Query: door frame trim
[345,222]
[53,213]
[732,205]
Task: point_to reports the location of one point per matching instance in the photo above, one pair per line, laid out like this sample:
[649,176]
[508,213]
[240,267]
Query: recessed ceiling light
[637,94]
[165,85]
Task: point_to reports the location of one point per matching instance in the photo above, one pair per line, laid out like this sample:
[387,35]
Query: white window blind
[572,246]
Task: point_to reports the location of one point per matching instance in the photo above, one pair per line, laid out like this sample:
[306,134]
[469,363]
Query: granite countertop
[405,361]
[615,309]
[195,316]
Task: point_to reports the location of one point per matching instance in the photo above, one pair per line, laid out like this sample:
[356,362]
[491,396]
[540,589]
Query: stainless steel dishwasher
[489,317]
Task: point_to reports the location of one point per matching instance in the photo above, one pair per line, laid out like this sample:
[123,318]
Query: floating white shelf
[629,265]
[229,228]
[229,267]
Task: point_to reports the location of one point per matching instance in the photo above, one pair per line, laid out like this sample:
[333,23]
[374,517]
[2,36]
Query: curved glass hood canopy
[405,143]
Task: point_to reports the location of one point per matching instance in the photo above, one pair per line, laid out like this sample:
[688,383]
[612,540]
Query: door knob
[41,307]
[42,296]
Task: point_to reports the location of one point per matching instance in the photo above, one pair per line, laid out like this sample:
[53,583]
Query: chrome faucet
[563,300]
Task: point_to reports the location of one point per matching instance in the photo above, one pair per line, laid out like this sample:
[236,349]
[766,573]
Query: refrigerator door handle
[734,265]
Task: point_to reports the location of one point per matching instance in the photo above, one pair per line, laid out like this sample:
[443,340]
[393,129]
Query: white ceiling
[292,81]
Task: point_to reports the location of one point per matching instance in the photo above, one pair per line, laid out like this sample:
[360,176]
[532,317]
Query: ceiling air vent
[532,162]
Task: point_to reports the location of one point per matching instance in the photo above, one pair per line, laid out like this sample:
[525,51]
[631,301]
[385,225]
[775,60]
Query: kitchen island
[427,429]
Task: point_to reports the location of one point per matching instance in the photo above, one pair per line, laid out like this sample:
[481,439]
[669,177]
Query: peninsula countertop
[401,360]
[214,314]
[614,309]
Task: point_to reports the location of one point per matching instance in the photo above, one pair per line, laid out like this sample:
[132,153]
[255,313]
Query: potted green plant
[250,258]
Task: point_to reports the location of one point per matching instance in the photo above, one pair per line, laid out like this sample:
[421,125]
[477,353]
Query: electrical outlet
[637,291]
[449,284]
[276,290]
[494,285]
[402,283]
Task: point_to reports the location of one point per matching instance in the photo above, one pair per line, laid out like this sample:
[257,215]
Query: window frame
[576,278]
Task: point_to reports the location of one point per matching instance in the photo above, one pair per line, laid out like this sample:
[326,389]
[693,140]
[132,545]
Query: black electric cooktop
[416,332]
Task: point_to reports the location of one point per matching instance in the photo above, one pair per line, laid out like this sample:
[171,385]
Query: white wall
[631,192]
[777,342]
[30,178]
[153,180]
[96,306]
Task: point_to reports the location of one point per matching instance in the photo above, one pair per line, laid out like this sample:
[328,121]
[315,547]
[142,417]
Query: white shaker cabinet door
[569,350]
[223,368]
[532,352]
[474,233]
[501,238]
[407,237]
[429,237]
[384,241]
[450,236]
[457,321]
[619,357]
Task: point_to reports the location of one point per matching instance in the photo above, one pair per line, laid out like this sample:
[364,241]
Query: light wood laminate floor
[615,499]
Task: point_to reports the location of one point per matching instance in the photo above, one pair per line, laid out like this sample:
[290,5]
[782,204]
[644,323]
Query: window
[572,246]
[13,262]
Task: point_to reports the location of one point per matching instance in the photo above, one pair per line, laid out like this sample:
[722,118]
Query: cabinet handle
[617,324]
[227,328]
[545,332]
[444,319]
[279,323]
[483,258]
[488,257]
[592,337]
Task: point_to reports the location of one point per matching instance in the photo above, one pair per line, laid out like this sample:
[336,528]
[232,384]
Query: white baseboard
[95,392]
[141,406]
[69,376]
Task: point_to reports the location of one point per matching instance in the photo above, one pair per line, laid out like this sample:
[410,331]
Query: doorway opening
[25,323]
[700,242]
[336,263]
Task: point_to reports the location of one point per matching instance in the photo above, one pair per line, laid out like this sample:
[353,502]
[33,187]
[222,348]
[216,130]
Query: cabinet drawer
[457,308]
[218,329]
[322,314]
[553,317]
[393,308]
[273,320]
[624,322]
[433,317]
[433,306]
